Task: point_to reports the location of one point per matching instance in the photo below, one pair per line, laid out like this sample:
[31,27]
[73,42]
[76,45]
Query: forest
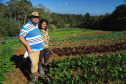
[14,13]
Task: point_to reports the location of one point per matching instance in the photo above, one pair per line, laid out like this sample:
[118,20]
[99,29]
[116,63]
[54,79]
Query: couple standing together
[36,40]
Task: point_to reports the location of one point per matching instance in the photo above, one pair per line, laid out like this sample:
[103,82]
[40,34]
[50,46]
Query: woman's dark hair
[41,21]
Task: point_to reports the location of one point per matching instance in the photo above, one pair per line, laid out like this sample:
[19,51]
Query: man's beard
[33,22]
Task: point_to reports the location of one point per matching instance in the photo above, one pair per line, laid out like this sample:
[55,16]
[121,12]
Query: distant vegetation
[14,13]
[114,21]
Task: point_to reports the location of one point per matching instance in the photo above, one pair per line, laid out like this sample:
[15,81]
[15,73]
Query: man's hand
[29,48]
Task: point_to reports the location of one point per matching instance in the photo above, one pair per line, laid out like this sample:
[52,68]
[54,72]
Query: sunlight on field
[74,53]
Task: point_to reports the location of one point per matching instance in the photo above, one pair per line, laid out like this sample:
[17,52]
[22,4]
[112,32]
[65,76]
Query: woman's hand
[46,40]
[42,37]
[48,37]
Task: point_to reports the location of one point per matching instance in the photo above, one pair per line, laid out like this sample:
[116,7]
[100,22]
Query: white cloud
[66,3]
[60,5]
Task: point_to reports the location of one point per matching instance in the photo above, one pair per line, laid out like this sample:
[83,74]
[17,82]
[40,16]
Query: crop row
[101,69]
[71,29]
[5,40]
[6,54]
[87,50]
[108,35]
[5,63]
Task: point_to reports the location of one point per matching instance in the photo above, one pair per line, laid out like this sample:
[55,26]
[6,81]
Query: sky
[93,7]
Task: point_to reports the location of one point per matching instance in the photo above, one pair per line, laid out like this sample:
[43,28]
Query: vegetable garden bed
[87,50]
[109,68]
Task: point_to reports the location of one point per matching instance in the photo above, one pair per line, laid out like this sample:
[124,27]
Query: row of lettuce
[72,29]
[98,36]
[5,40]
[84,69]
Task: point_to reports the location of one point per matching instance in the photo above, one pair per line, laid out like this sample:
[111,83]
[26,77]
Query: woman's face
[43,25]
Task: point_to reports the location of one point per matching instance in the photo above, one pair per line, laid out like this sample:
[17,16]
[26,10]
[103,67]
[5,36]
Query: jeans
[44,53]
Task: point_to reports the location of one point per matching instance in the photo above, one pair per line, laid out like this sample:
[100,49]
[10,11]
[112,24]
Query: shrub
[67,25]
[12,26]
[3,32]
[51,27]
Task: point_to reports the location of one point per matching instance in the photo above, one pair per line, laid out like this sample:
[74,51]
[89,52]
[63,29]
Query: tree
[44,12]
[26,8]
[107,14]
[3,32]
[18,10]
[73,23]
[10,25]
[120,11]
[87,16]
[119,17]
[2,10]
[55,18]
[14,14]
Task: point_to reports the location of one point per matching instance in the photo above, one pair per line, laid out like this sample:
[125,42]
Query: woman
[45,52]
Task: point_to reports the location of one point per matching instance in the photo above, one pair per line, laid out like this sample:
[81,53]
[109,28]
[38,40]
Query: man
[30,36]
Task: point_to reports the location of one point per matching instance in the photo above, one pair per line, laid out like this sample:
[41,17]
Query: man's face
[35,19]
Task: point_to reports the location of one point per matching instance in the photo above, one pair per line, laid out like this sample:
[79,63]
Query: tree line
[14,13]
[116,21]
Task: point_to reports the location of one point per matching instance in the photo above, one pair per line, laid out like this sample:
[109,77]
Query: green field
[69,32]
[97,58]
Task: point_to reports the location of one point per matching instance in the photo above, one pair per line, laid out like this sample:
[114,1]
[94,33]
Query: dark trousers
[43,53]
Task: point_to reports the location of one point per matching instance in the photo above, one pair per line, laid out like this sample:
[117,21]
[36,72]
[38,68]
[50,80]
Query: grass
[14,45]
[124,51]
[4,40]
[68,33]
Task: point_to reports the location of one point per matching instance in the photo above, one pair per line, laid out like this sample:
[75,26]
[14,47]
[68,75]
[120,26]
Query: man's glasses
[35,17]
